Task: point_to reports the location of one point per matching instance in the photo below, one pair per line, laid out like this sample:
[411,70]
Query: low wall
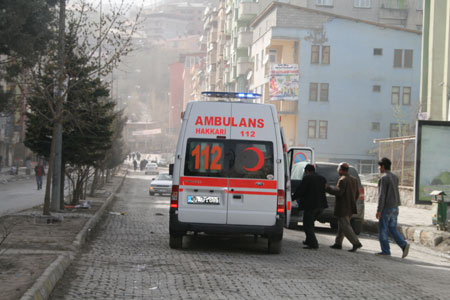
[406,195]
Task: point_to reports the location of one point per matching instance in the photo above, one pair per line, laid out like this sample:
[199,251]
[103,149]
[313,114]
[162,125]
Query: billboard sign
[284,82]
[432,159]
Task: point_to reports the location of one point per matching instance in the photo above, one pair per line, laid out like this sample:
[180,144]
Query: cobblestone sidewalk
[38,249]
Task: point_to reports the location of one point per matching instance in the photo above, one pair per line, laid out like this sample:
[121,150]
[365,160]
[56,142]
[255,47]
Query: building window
[405,129]
[326,55]
[406,99]
[262,59]
[395,98]
[398,58]
[395,4]
[312,129]
[375,126]
[313,91]
[419,4]
[324,91]
[376,88]
[257,62]
[324,2]
[377,51]
[399,55]
[315,52]
[362,3]
[408,59]
[323,129]
[273,56]
[394,130]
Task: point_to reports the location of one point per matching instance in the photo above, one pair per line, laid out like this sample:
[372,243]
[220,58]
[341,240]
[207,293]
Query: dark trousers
[309,217]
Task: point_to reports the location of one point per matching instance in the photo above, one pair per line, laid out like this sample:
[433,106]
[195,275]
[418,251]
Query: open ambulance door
[297,158]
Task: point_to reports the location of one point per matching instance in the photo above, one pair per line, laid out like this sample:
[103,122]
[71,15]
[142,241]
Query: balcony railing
[244,65]
[244,39]
[286,107]
[248,11]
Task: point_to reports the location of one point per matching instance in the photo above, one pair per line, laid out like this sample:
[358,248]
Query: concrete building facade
[435,80]
[358,80]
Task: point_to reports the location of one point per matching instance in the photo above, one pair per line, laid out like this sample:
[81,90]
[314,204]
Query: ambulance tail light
[280,201]
[361,194]
[174,197]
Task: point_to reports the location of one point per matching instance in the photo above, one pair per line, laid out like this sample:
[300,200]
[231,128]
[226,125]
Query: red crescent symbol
[260,159]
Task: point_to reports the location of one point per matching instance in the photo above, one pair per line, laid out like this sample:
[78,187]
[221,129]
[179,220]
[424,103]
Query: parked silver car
[151,168]
[162,184]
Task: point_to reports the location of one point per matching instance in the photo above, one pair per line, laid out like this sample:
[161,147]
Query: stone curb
[44,285]
[418,235]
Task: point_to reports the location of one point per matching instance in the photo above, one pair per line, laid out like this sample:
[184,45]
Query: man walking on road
[311,198]
[387,211]
[346,192]
[39,172]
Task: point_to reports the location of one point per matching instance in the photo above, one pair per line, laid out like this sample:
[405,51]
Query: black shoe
[305,243]
[405,251]
[336,246]
[382,254]
[311,248]
[355,247]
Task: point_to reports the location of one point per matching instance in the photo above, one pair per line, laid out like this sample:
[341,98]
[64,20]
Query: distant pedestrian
[346,192]
[39,171]
[311,198]
[138,156]
[1,162]
[135,165]
[387,211]
[133,155]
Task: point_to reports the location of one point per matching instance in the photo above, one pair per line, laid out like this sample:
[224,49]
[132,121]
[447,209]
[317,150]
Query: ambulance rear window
[251,159]
[229,158]
[205,158]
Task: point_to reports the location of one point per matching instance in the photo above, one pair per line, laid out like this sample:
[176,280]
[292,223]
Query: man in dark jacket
[346,192]
[311,198]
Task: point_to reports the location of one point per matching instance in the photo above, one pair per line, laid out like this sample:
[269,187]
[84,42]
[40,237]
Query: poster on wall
[284,82]
[432,159]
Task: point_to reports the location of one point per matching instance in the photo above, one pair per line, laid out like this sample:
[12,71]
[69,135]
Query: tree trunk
[94,183]
[49,175]
[63,181]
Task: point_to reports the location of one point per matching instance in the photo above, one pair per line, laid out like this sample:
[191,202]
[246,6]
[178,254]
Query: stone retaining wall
[406,195]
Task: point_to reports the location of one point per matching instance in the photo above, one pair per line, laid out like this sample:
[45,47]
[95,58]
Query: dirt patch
[18,272]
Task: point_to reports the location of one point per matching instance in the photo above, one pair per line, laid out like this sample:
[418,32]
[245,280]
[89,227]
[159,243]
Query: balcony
[245,39]
[286,107]
[247,11]
[393,9]
[244,65]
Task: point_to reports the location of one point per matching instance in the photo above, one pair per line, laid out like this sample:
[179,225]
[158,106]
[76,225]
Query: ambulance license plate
[204,200]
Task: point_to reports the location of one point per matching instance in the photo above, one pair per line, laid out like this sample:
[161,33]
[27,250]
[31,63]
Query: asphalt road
[129,257]
[19,195]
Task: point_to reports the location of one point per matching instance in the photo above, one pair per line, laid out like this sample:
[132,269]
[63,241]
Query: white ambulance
[230,171]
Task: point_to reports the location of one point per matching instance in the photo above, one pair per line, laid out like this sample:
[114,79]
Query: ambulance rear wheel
[176,241]
[274,245]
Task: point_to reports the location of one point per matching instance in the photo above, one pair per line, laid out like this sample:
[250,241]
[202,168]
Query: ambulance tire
[176,241]
[151,194]
[274,245]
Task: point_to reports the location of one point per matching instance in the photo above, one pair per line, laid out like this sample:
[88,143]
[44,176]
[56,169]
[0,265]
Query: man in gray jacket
[387,211]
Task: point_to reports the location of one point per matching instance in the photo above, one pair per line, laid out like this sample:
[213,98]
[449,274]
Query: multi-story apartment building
[338,82]
[435,81]
[234,35]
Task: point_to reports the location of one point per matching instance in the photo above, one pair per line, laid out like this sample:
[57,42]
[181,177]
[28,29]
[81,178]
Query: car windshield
[164,177]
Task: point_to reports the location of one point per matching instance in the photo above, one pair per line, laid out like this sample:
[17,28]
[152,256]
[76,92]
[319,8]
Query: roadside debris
[117,213]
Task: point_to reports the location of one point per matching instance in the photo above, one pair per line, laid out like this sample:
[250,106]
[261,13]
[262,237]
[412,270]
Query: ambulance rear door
[298,158]
[252,190]
[203,182]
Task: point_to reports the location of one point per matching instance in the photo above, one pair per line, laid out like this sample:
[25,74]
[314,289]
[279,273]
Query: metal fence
[401,151]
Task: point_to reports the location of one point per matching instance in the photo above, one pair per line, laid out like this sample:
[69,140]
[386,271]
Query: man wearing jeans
[387,211]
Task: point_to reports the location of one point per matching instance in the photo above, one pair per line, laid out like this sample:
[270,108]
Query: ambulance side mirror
[171,169]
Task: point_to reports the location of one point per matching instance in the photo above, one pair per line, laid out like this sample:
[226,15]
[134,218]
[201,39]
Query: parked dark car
[329,171]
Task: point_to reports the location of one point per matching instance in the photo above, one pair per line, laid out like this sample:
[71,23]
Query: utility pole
[56,186]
